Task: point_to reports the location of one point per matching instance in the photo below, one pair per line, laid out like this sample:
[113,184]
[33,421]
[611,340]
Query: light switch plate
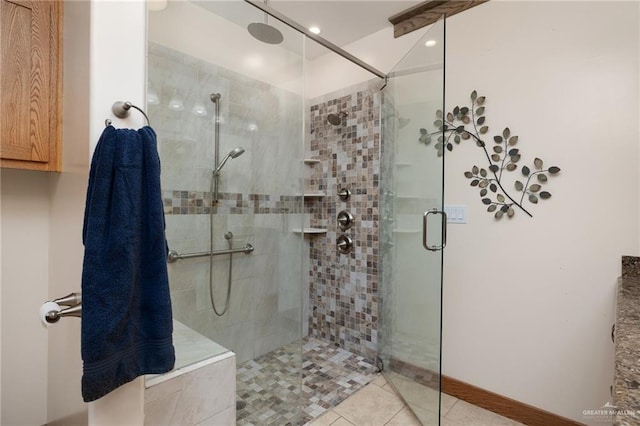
[456,213]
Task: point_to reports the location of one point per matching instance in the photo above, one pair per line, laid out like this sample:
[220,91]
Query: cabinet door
[29,84]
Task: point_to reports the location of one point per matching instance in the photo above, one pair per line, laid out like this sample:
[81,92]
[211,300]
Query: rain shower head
[264,32]
[336,119]
[235,153]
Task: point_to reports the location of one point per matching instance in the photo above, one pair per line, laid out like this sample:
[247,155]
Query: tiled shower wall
[260,200]
[343,288]
[261,204]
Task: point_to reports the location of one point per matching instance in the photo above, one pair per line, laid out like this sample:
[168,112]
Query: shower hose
[228,236]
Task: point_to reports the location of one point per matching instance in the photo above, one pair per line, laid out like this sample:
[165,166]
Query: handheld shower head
[235,153]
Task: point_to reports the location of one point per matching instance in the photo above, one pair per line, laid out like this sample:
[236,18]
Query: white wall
[330,72]
[67,194]
[101,66]
[528,302]
[25,249]
[41,219]
[117,73]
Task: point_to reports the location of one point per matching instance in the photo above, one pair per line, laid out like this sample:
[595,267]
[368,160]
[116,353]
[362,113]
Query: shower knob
[344,194]
[344,244]
[345,220]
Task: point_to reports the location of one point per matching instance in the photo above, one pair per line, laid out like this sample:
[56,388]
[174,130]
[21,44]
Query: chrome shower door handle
[425,219]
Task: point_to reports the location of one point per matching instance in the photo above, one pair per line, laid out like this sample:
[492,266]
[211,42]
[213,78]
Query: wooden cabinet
[30,84]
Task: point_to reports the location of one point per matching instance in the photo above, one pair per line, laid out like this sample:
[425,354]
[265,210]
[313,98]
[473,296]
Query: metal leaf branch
[464,123]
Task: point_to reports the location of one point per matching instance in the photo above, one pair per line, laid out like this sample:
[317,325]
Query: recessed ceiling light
[430,43]
[314,29]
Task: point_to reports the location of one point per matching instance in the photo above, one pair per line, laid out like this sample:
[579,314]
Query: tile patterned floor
[340,388]
[377,404]
[270,384]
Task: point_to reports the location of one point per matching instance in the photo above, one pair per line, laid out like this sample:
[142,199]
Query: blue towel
[126,307]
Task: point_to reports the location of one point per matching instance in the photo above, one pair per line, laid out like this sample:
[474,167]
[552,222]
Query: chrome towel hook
[121,110]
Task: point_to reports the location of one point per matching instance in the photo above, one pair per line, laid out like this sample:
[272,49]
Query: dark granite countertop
[626,388]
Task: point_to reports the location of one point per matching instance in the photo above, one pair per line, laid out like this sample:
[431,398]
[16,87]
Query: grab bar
[174,256]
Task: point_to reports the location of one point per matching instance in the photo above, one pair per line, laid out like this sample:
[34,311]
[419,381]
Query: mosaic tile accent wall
[343,288]
[199,202]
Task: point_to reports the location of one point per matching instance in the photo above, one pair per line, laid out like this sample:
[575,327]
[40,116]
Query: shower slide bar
[174,256]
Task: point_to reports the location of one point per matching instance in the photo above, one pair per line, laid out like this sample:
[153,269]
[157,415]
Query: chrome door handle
[424,230]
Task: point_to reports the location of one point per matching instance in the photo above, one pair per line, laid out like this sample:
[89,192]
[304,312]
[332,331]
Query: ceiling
[341,22]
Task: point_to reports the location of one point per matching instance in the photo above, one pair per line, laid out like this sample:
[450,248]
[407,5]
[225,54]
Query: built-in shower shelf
[310,231]
[310,161]
[406,231]
[403,164]
[314,195]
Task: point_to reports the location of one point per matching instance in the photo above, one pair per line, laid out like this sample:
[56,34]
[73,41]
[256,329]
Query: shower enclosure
[412,225]
[309,324]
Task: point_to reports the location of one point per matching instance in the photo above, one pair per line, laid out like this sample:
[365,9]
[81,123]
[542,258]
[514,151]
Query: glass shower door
[215,90]
[413,229]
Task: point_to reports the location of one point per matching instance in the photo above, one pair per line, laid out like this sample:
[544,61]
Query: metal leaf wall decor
[469,123]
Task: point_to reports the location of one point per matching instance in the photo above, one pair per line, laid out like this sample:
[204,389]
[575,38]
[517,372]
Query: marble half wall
[203,395]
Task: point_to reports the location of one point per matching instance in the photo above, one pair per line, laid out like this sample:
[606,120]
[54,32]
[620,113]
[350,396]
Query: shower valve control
[345,220]
[344,244]
[344,194]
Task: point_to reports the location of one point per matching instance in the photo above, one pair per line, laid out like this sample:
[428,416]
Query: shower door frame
[401,326]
